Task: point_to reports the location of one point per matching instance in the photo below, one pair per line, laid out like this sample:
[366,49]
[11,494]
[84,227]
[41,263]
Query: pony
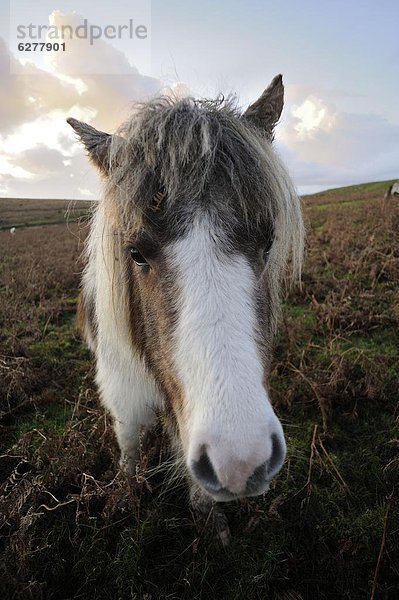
[185,259]
[392,191]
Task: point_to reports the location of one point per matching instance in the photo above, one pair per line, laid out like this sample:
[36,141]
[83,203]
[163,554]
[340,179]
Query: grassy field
[73,526]
[27,212]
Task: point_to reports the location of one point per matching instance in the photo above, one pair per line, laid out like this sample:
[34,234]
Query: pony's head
[199,221]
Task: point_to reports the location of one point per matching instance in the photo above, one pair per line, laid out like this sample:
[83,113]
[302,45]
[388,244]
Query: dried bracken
[73,526]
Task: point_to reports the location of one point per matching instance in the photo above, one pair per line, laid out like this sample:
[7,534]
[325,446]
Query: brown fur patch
[152,296]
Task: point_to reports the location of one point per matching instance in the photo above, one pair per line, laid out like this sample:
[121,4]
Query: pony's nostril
[257,480]
[204,472]
[276,460]
[265,472]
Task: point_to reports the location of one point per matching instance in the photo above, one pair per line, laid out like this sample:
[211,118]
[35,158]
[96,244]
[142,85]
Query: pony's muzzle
[238,478]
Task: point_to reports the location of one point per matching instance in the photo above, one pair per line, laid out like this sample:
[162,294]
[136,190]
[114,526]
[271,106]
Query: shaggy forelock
[183,148]
[180,146]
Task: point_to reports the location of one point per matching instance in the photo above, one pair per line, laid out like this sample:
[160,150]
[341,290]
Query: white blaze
[227,410]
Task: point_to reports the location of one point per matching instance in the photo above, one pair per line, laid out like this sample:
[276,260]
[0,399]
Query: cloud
[326,146]
[81,57]
[39,154]
[86,192]
[108,82]
[48,178]
[30,94]
[41,161]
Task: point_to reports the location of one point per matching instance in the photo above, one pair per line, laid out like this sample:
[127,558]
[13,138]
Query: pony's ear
[266,111]
[97,143]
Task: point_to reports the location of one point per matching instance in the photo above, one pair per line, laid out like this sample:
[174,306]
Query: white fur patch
[227,411]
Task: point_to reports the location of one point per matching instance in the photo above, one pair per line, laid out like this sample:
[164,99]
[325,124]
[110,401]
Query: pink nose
[236,477]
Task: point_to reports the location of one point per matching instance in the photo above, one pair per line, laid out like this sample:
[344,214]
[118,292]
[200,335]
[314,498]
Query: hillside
[27,212]
[351,193]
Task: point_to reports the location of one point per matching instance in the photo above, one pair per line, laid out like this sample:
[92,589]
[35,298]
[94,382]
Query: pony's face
[200,265]
[199,315]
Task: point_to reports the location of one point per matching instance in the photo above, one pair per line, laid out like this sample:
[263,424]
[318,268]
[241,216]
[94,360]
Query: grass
[27,212]
[73,526]
[377,187]
[351,194]
[344,205]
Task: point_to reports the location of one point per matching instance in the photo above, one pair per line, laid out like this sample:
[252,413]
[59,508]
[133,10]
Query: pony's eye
[137,257]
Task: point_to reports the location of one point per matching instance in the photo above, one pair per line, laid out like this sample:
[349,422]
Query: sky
[339,60]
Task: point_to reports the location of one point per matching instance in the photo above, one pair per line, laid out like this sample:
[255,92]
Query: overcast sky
[339,59]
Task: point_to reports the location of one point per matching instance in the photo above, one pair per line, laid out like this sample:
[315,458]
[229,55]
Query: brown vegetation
[73,526]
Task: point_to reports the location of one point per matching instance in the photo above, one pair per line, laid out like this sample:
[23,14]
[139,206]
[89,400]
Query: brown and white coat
[180,297]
